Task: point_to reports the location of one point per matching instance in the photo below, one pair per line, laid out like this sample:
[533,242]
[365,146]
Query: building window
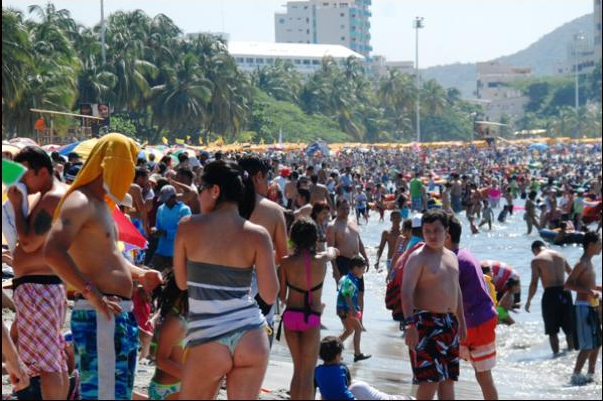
[281,20]
[307,31]
[306,62]
[341,14]
[249,61]
[269,61]
[315,62]
[343,38]
[307,20]
[297,61]
[342,26]
[305,7]
[240,59]
[259,61]
[325,4]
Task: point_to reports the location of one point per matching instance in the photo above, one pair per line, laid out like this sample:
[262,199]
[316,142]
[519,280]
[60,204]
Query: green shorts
[503,314]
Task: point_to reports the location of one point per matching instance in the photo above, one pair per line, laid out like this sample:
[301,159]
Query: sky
[455,30]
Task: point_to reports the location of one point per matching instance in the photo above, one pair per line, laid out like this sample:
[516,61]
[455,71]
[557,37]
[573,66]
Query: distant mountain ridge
[540,56]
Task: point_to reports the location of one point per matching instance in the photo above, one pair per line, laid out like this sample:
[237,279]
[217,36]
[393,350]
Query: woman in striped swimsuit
[214,257]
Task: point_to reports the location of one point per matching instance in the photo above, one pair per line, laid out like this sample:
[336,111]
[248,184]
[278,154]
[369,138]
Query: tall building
[597,29]
[498,97]
[342,22]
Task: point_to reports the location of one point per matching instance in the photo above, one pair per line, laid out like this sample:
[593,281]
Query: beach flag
[165,141]
[200,140]
[127,232]
[180,141]
[11,172]
[188,139]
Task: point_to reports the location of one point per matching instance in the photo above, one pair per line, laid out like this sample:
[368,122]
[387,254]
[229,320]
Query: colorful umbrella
[22,142]
[10,149]
[128,233]
[82,148]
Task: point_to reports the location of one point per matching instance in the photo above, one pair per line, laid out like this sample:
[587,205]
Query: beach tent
[317,146]
[540,147]
[22,142]
[82,148]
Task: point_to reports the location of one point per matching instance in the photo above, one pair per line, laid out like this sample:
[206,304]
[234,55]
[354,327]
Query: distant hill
[541,56]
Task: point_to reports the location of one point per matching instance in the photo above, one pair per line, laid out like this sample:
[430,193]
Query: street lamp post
[103,51]
[418,23]
[577,39]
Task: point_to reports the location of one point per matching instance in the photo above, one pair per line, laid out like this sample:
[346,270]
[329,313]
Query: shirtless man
[343,234]
[265,213]
[583,280]
[82,249]
[433,306]
[139,214]
[39,295]
[389,237]
[319,193]
[291,189]
[456,192]
[557,306]
[530,216]
[303,207]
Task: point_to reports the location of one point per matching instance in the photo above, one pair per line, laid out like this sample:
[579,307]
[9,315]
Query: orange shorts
[480,346]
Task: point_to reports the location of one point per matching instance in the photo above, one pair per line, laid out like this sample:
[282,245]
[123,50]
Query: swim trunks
[41,303]
[557,310]
[417,203]
[105,351]
[588,326]
[436,357]
[480,346]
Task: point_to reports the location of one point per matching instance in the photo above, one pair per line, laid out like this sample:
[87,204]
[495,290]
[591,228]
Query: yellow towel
[114,156]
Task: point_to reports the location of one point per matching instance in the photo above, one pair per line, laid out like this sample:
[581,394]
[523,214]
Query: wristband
[409,321]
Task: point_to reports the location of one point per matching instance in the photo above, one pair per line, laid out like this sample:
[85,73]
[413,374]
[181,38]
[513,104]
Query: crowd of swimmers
[234,236]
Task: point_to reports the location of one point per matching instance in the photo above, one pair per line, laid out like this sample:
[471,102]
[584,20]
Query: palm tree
[181,102]
[15,55]
[433,97]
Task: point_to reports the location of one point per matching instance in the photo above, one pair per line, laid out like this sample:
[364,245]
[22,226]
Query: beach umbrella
[51,148]
[22,142]
[10,149]
[82,148]
[317,146]
[127,232]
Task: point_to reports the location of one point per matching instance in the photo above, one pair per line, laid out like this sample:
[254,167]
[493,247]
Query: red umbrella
[127,232]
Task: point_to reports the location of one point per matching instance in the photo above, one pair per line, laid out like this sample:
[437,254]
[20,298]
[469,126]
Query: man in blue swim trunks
[82,250]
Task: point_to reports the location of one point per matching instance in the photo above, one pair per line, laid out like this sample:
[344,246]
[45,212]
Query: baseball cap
[417,220]
[285,172]
[166,193]
[73,171]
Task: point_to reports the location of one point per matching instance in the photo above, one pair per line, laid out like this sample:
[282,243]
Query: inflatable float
[549,236]
[591,214]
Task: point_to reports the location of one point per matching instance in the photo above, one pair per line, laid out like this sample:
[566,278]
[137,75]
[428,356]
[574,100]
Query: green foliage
[123,125]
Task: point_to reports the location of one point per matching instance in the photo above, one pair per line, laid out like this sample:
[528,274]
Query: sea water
[525,367]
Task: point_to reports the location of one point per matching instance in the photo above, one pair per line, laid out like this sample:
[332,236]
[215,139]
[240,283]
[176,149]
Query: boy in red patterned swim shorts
[432,302]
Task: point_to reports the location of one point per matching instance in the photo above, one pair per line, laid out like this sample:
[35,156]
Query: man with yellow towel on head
[82,249]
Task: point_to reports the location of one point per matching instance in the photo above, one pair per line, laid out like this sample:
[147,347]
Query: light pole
[103,51]
[418,24]
[577,39]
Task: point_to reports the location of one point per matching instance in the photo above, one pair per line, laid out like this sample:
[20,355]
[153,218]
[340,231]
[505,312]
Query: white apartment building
[492,87]
[343,22]
[306,58]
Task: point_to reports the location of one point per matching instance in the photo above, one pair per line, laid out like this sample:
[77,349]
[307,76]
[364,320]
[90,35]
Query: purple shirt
[479,307]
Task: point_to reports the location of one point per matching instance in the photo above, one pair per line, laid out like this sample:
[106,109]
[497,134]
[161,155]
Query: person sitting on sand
[334,380]
[301,277]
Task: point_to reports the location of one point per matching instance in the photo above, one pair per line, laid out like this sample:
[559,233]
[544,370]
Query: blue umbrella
[541,147]
[317,146]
